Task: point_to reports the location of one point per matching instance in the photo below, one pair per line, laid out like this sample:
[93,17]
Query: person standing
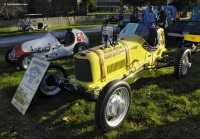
[134,17]
[150,18]
[162,16]
[20,24]
[120,18]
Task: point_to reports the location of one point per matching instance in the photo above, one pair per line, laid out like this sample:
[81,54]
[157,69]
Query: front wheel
[49,85]
[182,63]
[80,47]
[113,105]
[24,61]
[7,56]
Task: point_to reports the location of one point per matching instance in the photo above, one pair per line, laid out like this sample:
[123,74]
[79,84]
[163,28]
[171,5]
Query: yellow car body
[105,72]
[128,58]
[192,38]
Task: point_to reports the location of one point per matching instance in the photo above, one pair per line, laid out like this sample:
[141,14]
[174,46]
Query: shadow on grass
[183,129]
[168,81]
[44,119]
[44,116]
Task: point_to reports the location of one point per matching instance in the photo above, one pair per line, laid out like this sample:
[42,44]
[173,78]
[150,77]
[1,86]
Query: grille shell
[82,69]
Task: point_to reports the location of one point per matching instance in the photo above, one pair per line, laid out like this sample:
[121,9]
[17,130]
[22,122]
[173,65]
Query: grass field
[161,107]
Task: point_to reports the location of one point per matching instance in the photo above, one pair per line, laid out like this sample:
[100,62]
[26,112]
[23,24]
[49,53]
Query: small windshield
[134,28]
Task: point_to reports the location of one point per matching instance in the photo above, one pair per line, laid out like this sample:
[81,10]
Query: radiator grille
[82,70]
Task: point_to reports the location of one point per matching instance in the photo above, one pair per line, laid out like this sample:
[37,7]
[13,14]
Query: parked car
[47,48]
[181,27]
[105,72]
[111,20]
[191,26]
[27,25]
[34,26]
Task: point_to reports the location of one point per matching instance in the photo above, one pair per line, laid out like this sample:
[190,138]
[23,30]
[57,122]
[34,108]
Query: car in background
[111,20]
[27,25]
[180,28]
[47,48]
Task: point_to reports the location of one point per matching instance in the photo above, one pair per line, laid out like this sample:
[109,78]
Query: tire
[30,29]
[80,47]
[24,61]
[55,73]
[45,28]
[182,63]
[113,105]
[7,56]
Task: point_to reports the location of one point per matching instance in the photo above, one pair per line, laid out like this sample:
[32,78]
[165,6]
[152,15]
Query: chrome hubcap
[117,106]
[81,48]
[26,62]
[50,89]
[185,65]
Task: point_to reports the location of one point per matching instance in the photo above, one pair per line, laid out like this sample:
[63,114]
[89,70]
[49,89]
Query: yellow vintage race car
[183,60]
[106,71]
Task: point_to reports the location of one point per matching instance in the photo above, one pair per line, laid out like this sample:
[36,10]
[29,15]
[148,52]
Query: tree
[185,8]
[92,5]
[135,2]
[12,8]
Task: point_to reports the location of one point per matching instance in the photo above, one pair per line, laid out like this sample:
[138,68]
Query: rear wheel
[30,29]
[24,61]
[80,47]
[49,85]
[182,63]
[113,105]
[45,28]
[7,56]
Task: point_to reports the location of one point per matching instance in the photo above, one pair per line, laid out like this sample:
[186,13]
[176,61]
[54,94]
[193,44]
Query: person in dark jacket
[134,17]
[162,16]
[121,22]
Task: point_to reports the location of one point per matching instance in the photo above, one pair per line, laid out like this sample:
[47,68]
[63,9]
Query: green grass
[161,107]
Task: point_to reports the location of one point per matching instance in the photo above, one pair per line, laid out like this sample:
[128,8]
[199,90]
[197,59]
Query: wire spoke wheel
[80,47]
[24,61]
[54,75]
[185,65]
[113,105]
[182,63]
[117,106]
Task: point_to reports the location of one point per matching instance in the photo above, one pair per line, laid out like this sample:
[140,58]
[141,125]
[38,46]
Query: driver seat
[152,39]
[152,42]
[40,25]
[69,37]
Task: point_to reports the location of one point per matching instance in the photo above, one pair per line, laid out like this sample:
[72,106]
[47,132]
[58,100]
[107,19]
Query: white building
[108,5]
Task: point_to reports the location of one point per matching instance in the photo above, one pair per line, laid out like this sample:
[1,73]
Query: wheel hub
[115,106]
[50,80]
[26,62]
[186,65]
[81,48]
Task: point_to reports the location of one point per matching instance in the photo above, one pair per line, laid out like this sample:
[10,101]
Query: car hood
[46,41]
